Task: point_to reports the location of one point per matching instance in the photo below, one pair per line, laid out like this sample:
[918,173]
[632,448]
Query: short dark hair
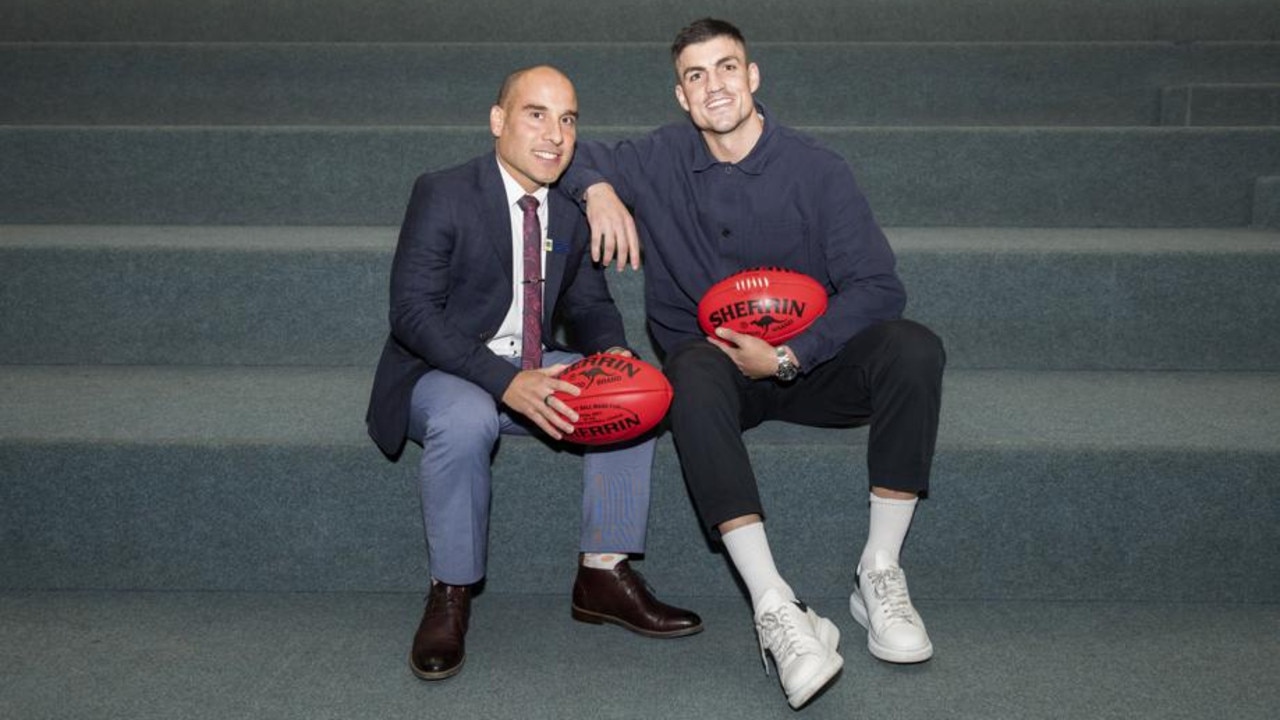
[700,31]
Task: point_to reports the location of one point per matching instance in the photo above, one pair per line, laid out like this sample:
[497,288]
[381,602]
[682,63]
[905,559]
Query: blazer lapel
[560,228]
[496,215]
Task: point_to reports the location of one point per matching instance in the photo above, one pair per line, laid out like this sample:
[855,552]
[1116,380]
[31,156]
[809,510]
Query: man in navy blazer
[450,375]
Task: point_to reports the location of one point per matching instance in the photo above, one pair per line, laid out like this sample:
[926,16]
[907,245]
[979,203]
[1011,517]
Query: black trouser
[889,375]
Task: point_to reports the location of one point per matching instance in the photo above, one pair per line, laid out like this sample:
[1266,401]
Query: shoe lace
[783,637]
[890,588]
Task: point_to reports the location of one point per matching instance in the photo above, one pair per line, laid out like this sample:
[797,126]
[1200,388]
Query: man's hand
[754,357]
[619,350]
[613,231]
[530,394]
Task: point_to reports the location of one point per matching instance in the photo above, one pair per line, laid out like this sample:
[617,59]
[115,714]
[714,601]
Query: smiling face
[715,84]
[535,127]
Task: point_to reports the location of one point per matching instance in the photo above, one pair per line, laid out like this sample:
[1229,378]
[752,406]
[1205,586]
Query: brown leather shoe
[621,596]
[439,646]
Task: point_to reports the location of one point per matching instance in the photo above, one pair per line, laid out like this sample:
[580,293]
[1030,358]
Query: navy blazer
[451,287]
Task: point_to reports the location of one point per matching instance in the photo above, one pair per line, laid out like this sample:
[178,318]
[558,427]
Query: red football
[622,398]
[774,304]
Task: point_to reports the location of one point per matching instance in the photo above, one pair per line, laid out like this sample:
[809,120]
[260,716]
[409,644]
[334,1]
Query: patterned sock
[602,561]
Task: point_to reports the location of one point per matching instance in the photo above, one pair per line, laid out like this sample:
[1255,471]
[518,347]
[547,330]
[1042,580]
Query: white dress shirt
[507,343]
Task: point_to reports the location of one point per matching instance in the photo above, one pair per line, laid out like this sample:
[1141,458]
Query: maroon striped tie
[531,347]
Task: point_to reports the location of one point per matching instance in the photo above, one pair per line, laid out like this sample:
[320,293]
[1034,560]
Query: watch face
[787,370]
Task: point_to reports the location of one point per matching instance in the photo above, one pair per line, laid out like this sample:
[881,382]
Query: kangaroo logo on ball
[775,304]
[621,399]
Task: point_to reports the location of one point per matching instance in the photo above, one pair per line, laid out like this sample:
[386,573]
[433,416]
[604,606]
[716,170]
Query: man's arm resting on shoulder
[590,180]
[613,230]
[589,312]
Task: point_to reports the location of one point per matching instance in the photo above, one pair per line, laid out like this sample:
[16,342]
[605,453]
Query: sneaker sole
[883,652]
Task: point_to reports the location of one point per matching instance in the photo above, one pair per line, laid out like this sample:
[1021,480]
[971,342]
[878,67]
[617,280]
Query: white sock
[749,550]
[890,520]
[602,561]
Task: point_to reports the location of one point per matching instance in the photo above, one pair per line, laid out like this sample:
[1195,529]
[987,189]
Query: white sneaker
[880,603]
[802,643]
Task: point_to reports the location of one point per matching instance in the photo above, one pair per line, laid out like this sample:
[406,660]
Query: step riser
[1106,525]
[1221,105]
[925,177]
[555,20]
[1142,311]
[454,84]
[1050,310]
[198,308]
[1070,487]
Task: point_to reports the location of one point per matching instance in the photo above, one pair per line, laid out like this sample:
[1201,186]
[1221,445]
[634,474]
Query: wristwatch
[787,368]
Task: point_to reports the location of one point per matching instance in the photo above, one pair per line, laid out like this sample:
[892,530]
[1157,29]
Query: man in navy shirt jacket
[733,190]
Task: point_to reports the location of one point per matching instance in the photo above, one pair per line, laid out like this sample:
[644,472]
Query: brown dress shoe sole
[438,675]
[595,618]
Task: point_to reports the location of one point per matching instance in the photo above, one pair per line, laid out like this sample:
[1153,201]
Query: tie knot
[528,203]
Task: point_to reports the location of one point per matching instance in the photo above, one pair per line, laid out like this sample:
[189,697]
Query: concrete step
[1049,485]
[653,20]
[1025,177]
[448,83]
[1266,203]
[1000,297]
[1221,104]
[290,656]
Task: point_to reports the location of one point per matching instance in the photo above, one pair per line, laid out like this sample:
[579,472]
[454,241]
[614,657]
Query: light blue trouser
[458,423]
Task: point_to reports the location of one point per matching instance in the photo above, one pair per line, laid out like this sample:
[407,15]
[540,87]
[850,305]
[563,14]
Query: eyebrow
[544,108]
[718,63]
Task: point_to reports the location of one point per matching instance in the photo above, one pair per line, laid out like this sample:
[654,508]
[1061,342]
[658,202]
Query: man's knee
[914,347]
[464,421]
[696,364]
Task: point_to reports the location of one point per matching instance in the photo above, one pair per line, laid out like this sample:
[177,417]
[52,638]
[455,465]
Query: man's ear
[680,98]
[497,120]
[753,77]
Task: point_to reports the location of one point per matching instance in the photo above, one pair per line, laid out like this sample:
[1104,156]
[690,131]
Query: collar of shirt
[515,192]
[752,164]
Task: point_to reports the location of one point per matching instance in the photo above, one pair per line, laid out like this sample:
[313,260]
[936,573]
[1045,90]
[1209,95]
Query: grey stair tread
[618,83]
[298,405]
[290,655]
[922,176]
[1030,298]
[1093,241]
[276,238]
[1221,104]
[654,20]
[273,238]
[1083,486]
